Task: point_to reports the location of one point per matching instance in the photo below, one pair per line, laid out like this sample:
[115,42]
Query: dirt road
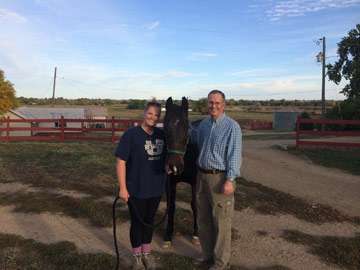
[299,177]
[263,241]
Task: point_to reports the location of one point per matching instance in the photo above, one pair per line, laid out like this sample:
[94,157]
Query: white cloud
[200,56]
[257,72]
[153,25]
[11,16]
[179,74]
[295,8]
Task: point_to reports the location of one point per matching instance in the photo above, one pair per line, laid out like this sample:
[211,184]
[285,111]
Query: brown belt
[212,171]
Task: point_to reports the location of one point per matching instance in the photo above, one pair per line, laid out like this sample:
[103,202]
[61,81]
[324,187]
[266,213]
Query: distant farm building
[52,113]
[96,113]
[285,119]
[26,113]
[16,115]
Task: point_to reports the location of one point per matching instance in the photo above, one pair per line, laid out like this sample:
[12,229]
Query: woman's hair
[152,103]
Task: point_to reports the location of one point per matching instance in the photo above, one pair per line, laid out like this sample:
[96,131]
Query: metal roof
[51,113]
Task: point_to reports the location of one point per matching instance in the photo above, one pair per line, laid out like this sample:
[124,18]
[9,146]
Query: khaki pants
[215,211]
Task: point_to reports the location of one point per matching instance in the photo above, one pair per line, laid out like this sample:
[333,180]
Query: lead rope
[153,227]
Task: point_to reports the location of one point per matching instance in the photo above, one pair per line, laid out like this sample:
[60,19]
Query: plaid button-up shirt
[219,142]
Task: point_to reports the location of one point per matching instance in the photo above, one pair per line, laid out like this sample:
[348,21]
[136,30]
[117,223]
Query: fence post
[62,128]
[112,129]
[8,128]
[82,126]
[297,130]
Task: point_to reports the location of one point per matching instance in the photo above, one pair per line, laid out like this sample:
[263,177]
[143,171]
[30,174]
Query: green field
[120,111]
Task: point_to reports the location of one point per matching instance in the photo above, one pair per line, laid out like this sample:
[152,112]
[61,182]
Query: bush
[200,105]
[136,104]
[309,126]
[345,110]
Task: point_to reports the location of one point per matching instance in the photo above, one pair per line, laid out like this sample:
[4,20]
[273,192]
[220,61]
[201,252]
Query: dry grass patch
[98,213]
[19,253]
[84,167]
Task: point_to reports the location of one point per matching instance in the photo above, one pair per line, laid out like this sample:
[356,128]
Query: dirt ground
[260,242]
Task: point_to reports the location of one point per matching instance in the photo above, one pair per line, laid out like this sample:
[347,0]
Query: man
[219,142]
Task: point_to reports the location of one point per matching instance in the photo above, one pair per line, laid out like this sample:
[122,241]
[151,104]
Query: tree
[136,104]
[348,65]
[7,94]
[200,105]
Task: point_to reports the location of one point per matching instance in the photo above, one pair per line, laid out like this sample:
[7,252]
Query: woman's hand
[124,194]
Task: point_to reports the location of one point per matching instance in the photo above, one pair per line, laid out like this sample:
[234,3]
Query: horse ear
[169,102]
[184,104]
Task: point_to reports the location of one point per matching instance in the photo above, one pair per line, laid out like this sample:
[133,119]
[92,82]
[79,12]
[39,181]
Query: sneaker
[204,262]
[137,263]
[216,267]
[149,261]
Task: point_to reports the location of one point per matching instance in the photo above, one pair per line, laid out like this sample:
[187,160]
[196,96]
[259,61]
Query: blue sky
[144,48]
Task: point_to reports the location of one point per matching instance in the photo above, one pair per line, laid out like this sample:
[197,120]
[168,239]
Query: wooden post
[8,128]
[297,130]
[113,129]
[62,127]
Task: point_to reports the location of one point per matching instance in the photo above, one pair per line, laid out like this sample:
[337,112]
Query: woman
[141,175]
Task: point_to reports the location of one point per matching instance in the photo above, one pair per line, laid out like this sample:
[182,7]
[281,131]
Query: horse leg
[171,213]
[195,237]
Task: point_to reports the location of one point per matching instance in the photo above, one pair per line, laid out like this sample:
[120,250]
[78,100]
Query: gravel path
[299,177]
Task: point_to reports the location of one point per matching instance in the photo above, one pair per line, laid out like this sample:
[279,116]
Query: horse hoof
[166,244]
[195,240]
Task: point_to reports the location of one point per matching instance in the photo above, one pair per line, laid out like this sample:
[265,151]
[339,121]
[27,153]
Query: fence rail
[63,129]
[322,132]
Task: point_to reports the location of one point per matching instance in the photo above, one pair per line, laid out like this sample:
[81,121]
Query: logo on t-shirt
[154,150]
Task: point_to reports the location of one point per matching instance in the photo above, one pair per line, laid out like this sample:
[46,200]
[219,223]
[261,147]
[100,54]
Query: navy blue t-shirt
[145,161]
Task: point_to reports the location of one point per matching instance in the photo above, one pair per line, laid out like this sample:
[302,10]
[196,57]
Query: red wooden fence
[323,132]
[58,130]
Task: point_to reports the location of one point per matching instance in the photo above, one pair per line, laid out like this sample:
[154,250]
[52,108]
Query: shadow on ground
[269,201]
[341,251]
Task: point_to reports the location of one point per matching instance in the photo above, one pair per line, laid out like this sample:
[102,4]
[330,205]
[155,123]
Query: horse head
[176,127]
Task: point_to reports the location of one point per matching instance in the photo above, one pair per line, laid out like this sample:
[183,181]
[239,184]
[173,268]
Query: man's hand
[124,195]
[228,187]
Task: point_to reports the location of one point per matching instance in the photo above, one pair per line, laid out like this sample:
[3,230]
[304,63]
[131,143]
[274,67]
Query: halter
[174,151]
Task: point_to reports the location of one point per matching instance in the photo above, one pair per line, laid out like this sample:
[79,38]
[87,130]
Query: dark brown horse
[181,159]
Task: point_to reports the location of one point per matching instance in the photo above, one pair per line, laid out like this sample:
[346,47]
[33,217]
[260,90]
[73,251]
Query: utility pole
[321,57]
[54,84]
[323,79]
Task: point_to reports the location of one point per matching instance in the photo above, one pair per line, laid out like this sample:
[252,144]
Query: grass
[89,168]
[344,159]
[120,111]
[85,167]
[340,251]
[269,201]
[19,253]
[98,213]
[272,136]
